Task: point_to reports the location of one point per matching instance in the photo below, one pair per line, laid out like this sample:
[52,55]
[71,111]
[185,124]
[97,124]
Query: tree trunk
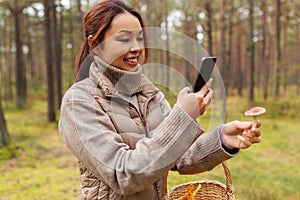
[251,52]
[297,57]
[209,26]
[71,40]
[4,136]
[49,63]
[222,53]
[3,80]
[57,31]
[239,81]
[278,37]
[229,49]
[9,61]
[286,61]
[80,13]
[20,64]
[265,50]
[189,30]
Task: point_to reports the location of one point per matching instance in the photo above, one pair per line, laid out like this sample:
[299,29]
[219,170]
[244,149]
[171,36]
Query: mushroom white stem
[254,123]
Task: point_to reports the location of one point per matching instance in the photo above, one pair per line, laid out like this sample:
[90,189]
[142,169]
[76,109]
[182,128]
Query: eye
[140,39]
[124,40]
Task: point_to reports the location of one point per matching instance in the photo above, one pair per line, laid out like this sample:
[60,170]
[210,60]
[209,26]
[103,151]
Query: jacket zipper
[108,193]
[143,119]
[142,116]
[156,190]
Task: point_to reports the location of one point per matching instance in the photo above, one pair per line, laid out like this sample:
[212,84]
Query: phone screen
[204,73]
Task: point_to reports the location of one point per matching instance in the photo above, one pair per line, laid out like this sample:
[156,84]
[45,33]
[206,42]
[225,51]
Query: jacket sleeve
[88,132]
[206,153]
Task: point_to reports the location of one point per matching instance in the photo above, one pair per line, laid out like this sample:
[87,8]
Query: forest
[256,43]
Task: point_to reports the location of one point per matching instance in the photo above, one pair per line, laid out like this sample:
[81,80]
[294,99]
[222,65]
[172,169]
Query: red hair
[97,20]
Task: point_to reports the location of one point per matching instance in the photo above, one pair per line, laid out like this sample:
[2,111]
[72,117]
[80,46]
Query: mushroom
[255,112]
[189,195]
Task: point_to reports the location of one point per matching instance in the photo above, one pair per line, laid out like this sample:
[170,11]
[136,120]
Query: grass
[37,165]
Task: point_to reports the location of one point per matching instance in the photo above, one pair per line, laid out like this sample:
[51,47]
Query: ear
[90,41]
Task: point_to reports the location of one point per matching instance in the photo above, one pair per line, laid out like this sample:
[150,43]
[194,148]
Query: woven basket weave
[210,189]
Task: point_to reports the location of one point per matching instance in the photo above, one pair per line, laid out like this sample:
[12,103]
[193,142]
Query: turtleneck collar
[114,80]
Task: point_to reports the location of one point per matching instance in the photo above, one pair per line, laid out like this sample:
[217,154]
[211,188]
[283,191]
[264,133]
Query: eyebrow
[129,32]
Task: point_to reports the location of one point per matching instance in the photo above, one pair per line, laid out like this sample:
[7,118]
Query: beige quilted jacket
[127,141]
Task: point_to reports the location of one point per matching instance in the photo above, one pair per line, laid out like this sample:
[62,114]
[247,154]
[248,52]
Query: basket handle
[229,188]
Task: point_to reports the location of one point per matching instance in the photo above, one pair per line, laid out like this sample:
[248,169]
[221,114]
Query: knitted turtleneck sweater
[125,82]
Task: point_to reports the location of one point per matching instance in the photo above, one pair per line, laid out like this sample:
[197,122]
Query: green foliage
[8,152]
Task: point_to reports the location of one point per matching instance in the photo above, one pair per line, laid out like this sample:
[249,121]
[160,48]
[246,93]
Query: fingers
[195,104]
[244,142]
[209,83]
[248,138]
[248,126]
[253,137]
[181,93]
[256,132]
[204,96]
[208,97]
[236,127]
[206,93]
[242,125]
[185,90]
[188,102]
[204,101]
[241,134]
[205,89]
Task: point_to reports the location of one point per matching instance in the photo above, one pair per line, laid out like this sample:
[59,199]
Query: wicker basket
[210,190]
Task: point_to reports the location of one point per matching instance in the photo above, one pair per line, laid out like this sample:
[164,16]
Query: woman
[119,125]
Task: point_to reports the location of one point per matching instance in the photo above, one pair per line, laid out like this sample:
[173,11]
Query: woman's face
[123,42]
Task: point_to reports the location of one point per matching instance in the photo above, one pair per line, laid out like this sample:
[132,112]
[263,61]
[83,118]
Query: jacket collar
[114,81]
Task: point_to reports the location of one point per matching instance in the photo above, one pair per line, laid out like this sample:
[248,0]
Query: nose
[135,47]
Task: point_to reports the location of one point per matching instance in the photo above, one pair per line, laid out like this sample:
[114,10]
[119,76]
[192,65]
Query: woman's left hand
[241,135]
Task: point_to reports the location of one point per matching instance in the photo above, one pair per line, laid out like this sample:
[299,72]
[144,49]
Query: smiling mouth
[131,61]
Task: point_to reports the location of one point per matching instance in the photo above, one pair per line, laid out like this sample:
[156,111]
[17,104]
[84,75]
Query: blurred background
[257,44]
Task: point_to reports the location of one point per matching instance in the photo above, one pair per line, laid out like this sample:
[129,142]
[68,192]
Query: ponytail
[81,55]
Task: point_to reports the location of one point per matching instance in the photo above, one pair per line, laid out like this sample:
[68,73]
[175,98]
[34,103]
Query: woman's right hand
[195,104]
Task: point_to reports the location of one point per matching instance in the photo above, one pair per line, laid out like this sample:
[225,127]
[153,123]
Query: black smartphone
[204,72]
